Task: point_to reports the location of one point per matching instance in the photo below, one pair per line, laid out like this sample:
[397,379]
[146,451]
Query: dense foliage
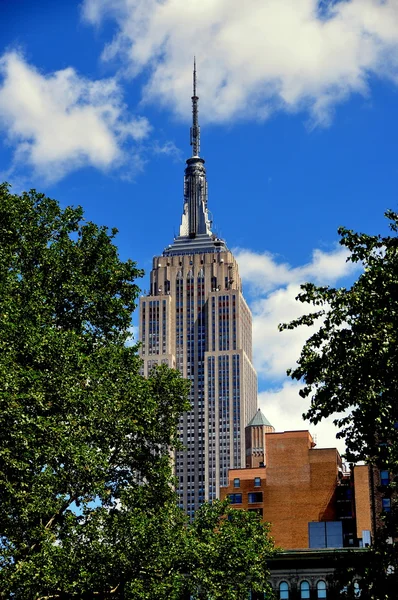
[350,365]
[83,450]
[87,506]
[229,553]
[349,368]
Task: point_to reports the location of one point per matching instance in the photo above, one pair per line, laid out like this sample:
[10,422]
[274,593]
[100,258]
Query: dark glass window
[384,477]
[235,498]
[386,504]
[255,497]
[259,511]
[257,481]
[325,534]
[236,482]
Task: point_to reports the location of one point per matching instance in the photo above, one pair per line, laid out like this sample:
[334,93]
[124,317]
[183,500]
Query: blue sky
[299,132]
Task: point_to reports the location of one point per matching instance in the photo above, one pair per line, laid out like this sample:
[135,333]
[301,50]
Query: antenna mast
[195,129]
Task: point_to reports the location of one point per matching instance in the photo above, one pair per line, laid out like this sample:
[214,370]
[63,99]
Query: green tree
[349,367]
[228,553]
[87,505]
[86,499]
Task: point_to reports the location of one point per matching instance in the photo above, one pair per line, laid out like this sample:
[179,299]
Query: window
[325,534]
[283,591]
[257,481]
[384,478]
[304,589]
[236,482]
[235,498]
[386,504]
[320,589]
[255,497]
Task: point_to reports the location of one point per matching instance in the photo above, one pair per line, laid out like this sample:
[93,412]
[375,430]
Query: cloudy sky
[299,131]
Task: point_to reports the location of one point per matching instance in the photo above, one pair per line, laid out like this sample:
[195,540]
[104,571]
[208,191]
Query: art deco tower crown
[195,229]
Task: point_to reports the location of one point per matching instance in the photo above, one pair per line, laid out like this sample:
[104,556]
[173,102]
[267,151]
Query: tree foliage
[87,504]
[350,365]
[84,461]
[229,553]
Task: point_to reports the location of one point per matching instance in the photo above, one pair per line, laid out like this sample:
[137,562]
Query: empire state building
[196,320]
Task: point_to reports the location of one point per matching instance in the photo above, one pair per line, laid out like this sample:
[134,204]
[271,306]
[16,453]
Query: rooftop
[259,419]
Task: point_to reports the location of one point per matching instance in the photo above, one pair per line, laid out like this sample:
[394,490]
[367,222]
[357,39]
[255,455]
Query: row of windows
[253,498]
[257,482]
[321,590]
[304,590]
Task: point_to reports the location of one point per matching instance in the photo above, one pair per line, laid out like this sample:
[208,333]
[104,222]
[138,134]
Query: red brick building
[301,490]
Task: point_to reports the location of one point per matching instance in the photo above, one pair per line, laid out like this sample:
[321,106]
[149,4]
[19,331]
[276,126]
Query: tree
[84,446]
[229,552]
[351,362]
[349,367]
[87,502]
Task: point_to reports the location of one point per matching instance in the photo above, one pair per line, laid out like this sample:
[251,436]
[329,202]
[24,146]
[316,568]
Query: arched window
[283,591]
[304,589]
[321,589]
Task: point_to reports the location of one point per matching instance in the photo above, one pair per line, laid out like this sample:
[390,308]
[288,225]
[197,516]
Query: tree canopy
[87,503]
[349,369]
[350,365]
[85,438]
[229,553]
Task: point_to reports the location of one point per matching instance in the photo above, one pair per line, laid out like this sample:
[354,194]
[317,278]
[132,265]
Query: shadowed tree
[87,503]
[84,460]
[229,552]
[349,369]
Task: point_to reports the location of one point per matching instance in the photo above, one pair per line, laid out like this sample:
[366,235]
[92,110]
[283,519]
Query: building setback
[195,319]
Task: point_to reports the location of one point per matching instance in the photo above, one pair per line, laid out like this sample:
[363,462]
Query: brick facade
[299,484]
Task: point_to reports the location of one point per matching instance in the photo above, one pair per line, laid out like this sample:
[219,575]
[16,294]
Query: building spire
[195,129]
[196,225]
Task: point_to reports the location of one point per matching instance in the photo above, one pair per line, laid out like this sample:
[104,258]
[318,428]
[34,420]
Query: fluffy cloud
[61,121]
[283,408]
[262,272]
[255,56]
[275,351]
[272,288]
[133,337]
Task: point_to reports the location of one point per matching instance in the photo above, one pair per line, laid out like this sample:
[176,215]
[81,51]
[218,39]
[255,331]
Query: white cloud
[273,287]
[275,351]
[263,272]
[61,121]
[133,337]
[255,56]
[168,149]
[283,408]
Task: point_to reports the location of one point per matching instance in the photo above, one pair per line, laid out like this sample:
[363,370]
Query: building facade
[316,574]
[196,320]
[305,493]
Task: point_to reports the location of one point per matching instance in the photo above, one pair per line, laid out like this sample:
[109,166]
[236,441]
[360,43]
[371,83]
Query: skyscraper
[196,320]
